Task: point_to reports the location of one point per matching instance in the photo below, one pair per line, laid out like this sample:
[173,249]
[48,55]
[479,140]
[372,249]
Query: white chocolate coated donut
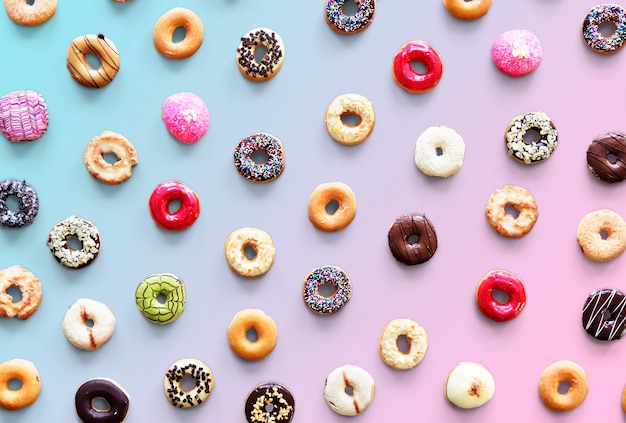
[355,378]
[439,151]
[388,344]
[88,324]
[235,250]
[469,385]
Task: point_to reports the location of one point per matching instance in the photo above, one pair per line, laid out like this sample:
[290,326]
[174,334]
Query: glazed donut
[28,203]
[30,290]
[591,235]
[346,24]
[26,373]
[412,239]
[469,385]
[81,70]
[187,213]
[164,31]
[603,13]
[606,157]
[417,339]
[270,402]
[235,250]
[23,115]
[88,236]
[439,151]
[467,10]
[551,378]
[507,224]
[323,195]
[172,289]
[27,13]
[257,320]
[336,387]
[272,60]
[506,282]
[186,117]
[623,399]
[326,275]
[268,145]
[604,314]
[88,324]
[173,383]
[410,80]
[516,52]
[106,143]
[111,392]
[348,104]
[537,150]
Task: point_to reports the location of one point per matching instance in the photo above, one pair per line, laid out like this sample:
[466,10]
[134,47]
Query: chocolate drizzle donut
[604,314]
[270,402]
[81,70]
[401,236]
[107,389]
[272,60]
[606,157]
[28,203]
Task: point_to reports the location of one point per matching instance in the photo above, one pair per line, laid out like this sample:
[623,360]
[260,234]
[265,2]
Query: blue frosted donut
[345,24]
[28,203]
[598,15]
[269,169]
[324,275]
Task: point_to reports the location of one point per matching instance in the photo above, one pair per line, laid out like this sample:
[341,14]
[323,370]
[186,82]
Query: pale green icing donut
[167,286]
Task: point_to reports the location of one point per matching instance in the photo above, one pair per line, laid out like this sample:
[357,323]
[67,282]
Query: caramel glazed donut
[81,70]
[99,168]
[551,378]
[30,290]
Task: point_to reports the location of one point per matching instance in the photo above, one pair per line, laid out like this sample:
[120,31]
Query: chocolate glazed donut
[108,390]
[270,402]
[412,239]
[599,155]
[604,314]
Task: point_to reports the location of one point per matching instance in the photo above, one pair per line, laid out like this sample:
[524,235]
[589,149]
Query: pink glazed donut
[517,52]
[186,117]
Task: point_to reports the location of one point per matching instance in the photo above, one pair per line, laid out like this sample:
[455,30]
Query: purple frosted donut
[517,52]
[327,275]
[23,116]
[28,203]
[186,117]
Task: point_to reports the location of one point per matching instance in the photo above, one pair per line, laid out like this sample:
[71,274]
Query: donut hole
[350,119]
[173,206]
[418,67]
[161,298]
[92,60]
[439,151]
[188,383]
[331,207]
[412,239]
[100,404]
[73,243]
[612,158]
[15,293]
[564,387]
[269,407]
[259,157]
[259,53]
[531,136]
[252,335]
[607,316]
[350,8]
[110,158]
[89,323]
[179,34]
[604,234]
[607,29]
[30,2]
[500,296]
[13,203]
[511,211]
[14,384]
[349,390]
[250,252]
[403,344]
[327,290]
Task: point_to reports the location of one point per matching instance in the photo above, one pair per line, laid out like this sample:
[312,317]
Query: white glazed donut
[388,344]
[469,385]
[347,104]
[439,151]
[235,250]
[88,324]
[344,378]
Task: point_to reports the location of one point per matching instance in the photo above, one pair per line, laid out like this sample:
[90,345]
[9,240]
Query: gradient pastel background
[580,90]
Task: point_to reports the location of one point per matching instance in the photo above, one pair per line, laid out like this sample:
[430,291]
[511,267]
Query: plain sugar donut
[551,378]
[27,374]
[164,31]
[506,224]
[322,196]
[467,10]
[601,235]
[265,328]
[30,14]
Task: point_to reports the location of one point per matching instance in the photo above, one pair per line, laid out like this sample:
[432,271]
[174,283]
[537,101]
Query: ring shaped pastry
[88,324]
[606,157]
[531,151]
[604,314]
[350,104]
[320,303]
[161,298]
[30,14]
[506,224]
[553,376]
[26,373]
[111,392]
[412,239]
[349,24]
[265,328]
[623,399]
[268,146]
[507,283]
[271,62]
[28,203]
[417,340]
[439,151]
[106,53]
[173,383]
[517,52]
[110,143]
[23,116]
[409,79]
[603,13]
[165,26]
[270,402]
[467,10]
[469,385]
[88,236]
[172,191]
[261,245]
[30,290]
[601,235]
[322,197]
[343,379]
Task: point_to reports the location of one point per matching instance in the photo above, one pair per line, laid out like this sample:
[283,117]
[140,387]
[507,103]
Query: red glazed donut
[506,282]
[166,193]
[410,80]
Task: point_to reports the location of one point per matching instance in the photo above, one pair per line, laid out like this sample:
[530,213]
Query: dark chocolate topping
[598,160]
[270,402]
[109,391]
[406,250]
[270,60]
[604,314]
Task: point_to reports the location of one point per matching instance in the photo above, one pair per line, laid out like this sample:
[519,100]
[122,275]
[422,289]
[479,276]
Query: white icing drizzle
[598,310]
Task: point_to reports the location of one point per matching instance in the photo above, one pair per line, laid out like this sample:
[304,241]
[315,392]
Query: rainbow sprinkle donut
[266,170]
[331,275]
[598,15]
[345,24]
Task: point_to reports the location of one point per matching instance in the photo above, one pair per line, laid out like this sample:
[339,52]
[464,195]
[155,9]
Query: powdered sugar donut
[186,116]
[439,151]
[517,52]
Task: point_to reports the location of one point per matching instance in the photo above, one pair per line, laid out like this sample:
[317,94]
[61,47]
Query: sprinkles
[269,145]
[324,275]
[598,15]
[537,150]
[272,60]
[173,383]
[345,24]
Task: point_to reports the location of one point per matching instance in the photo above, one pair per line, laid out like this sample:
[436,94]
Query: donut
[106,53]
[349,24]
[271,62]
[168,192]
[412,239]
[509,284]
[439,151]
[28,203]
[516,53]
[518,199]
[23,116]
[30,291]
[469,385]
[86,233]
[410,80]
[173,383]
[604,314]
[601,235]
[172,290]
[606,157]
[88,324]
[603,13]
[263,252]
[536,150]
[27,13]
[343,380]
[322,197]
[186,117]
[326,275]
[467,10]
[623,400]
[164,32]
[350,104]
[416,337]
[556,373]
[26,373]
[270,402]
[267,146]
[110,143]
[111,392]
[238,331]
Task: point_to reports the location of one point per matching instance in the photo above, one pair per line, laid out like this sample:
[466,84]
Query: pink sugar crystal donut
[23,116]
[186,117]
[517,52]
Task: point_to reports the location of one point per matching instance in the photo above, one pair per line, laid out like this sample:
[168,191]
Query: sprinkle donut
[467,10]
[27,13]
[601,235]
[604,314]
[187,213]
[28,376]
[469,385]
[598,15]
[350,104]
[606,157]
[556,373]
[271,62]
[345,24]
[186,117]
[88,236]
[509,225]
[88,324]
[81,70]
[107,389]
[262,247]
[273,152]
[412,239]
[322,196]
[270,402]
[410,80]
[326,275]
[28,201]
[388,344]
[172,289]
[110,143]
[340,381]
[517,53]
[164,31]
[509,284]
[173,383]
[262,324]
[439,151]
[537,150]
[23,116]
[30,290]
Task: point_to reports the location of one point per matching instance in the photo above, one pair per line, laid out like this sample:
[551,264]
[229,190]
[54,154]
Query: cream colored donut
[342,379]
[260,241]
[469,385]
[347,104]
[26,373]
[321,196]
[265,328]
[200,391]
[388,344]
[590,237]
[506,224]
[551,378]
[29,287]
[30,14]
[88,324]
[99,168]
[439,151]
[272,60]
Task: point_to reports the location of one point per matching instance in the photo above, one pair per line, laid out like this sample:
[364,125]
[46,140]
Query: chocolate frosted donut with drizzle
[606,157]
[81,70]
[272,60]
[604,314]
[412,239]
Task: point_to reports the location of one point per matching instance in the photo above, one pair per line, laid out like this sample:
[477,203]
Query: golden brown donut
[467,10]
[110,173]
[325,193]
[551,378]
[519,199]
[29,287]
[103,49]
[164,30]
[265,328]
[590,233]
[23,13]
[624,399]
[27,374]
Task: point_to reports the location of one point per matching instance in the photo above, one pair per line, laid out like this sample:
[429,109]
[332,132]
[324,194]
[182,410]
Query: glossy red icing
[404,74]
[182,218]
[506,282]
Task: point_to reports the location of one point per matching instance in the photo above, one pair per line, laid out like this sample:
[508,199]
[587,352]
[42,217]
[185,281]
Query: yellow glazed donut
[164,30]
[257,320]
[350,104]
[30,14]
[99,168]
[551,378]
[30,289]
[467,10]
[506,224]
[602,235]
[322,196]
[81,70]
[388,344]
[256,239]
[27,374]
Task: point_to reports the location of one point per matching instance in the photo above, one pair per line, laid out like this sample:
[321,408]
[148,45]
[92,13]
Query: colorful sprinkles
[267,171]
[345,24]
[598,15]
[334,276]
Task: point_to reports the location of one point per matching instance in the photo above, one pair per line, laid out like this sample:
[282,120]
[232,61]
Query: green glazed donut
[160,286]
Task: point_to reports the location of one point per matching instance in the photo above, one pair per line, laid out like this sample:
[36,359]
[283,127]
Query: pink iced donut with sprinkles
[517,52]
[186,116]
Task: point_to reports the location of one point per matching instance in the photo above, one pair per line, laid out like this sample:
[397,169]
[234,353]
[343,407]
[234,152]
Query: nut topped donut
[537,150]
[270,402]
[272,60]
[81,70]
[606,157]
[110,143]
[23,116]
[349,24]
[86,233]
[412,239]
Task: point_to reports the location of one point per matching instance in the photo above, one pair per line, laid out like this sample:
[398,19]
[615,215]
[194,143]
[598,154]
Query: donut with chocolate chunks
[412,239]
[606,157]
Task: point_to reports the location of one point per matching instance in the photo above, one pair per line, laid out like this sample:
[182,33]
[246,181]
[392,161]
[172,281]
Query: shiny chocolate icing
[604,314]
[406,250]
[270,402]
[108,390]
[599,161]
